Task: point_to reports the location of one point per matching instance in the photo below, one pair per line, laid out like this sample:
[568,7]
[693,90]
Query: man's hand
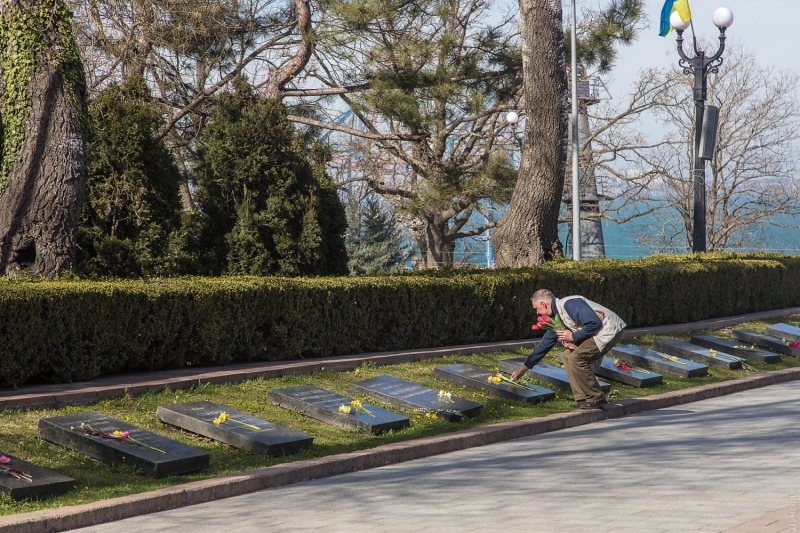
[518,373]
[564,335]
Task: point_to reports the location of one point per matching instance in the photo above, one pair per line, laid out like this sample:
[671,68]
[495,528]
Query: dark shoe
[577,405]
[594,405]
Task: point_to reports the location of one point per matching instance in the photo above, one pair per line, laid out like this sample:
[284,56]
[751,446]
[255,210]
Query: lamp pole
[700,65]
[576,181]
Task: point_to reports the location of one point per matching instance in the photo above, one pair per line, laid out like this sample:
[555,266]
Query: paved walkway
[706,466]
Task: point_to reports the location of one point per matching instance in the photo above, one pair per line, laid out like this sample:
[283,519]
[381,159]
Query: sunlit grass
[98,481]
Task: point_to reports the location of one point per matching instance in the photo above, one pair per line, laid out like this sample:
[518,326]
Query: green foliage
[132,208]
[617,24]
[27,37]
[87,329]
[375,241]
[265,208]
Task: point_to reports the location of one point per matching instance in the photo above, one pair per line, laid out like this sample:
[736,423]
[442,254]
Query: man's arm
[580,312]
[548,341]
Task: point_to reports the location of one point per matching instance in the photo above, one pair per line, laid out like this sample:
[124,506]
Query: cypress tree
[265,208]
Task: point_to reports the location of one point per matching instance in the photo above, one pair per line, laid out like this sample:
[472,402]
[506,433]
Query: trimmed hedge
[77,330]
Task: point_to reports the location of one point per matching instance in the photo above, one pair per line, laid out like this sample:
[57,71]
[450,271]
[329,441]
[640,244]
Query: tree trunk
[528,233]
[42,175]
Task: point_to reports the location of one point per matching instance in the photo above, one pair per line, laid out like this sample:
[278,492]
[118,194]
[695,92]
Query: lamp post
[700,65]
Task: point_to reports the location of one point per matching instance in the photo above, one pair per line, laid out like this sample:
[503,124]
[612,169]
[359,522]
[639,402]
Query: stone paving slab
[53,396]
[724,455]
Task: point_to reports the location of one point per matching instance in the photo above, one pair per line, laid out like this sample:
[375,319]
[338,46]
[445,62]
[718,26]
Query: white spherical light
[723,18]
[512,118]
[676,22]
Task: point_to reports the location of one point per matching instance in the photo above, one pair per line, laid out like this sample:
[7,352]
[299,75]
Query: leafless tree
[751,182]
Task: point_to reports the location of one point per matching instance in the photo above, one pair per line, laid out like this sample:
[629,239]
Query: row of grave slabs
[119,443]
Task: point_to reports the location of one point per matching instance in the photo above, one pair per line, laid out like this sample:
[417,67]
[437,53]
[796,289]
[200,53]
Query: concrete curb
[85,393]
[64,519]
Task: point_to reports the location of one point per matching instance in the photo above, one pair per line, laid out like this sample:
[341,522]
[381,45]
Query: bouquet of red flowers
[545,322]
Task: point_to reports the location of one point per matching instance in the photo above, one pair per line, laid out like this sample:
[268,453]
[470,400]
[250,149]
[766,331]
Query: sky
[765,27]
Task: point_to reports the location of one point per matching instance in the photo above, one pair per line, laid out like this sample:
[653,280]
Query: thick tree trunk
[528,233]
[43,168]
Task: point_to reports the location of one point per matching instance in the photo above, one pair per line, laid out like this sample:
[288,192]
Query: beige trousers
[581,364]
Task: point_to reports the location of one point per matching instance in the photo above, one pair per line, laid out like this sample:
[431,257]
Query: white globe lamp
[512,118]
[677,23]
[723,18]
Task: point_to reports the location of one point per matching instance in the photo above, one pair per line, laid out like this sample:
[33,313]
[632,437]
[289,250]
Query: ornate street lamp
[700,65]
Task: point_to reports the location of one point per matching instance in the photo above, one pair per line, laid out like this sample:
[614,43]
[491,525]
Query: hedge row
[77,330]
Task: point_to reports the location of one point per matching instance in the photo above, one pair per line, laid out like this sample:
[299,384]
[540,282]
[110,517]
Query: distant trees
[750,182]
[375,240]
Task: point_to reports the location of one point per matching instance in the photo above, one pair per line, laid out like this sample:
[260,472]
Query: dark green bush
[75,330]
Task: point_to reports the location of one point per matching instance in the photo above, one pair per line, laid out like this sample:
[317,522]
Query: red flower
[544,319]
[536,327]
[4,460]
[795,345]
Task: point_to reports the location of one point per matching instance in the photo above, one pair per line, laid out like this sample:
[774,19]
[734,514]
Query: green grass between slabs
[98,481]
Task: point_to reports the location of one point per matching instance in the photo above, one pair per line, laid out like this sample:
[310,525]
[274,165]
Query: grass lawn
[98,481]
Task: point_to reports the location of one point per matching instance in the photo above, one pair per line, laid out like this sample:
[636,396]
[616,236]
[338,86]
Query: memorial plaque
[736,348]
[169,458]
[239,430]
[765,341]
[406,395]
[647,358]
[696,353]
[37,483]
[323,405]
[547,374]
[784,331]
[478,378]
[628,377]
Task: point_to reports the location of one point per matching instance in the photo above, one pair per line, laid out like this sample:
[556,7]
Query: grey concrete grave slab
[177,458]
[323,405]
[736,348]
[628,377]
[406,395]
[547,374]
[644,357]
[696,353]
[770,342]
[43,484]
[269,439]
[785,331]
[478,378]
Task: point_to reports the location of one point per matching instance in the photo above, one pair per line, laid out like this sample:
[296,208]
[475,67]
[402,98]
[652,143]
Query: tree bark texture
[43,166]
[528,233]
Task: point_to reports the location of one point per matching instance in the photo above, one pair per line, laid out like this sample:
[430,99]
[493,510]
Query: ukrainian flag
[681,6]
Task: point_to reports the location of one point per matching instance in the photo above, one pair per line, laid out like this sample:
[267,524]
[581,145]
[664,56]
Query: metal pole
[576,192]
[699,214]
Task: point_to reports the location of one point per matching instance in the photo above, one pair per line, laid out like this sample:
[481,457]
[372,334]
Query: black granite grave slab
[43,483]
[696,353]
[406,395]
[735,348]
[628,377]
[478,378]
[198,417]
[770,342]
[324,405]
[784,331]
[646,358]
[177,458]
[547,374]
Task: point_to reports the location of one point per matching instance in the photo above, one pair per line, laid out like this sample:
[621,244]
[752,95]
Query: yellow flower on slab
[117,433]
[712,352]
[217,421]
[356,404]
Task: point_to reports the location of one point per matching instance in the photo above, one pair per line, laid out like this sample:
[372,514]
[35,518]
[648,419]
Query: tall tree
[43,107]
[428,84]
[375,240]
[528,233]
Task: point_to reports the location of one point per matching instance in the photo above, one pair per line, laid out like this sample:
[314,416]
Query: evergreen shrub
[63,331]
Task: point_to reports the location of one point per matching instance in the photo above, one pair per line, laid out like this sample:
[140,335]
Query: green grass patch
[98,481]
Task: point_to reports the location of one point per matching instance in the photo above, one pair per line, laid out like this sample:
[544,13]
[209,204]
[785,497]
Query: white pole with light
[576,192]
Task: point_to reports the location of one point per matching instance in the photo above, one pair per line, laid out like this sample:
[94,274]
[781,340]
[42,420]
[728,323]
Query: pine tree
[132,208]
[375,241]
[265,209]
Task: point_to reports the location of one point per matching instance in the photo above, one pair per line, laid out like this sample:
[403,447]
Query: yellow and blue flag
[681,6]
